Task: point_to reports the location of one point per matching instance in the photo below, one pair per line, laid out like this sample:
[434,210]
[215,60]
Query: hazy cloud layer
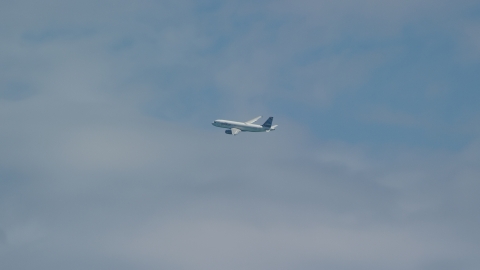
[108,159]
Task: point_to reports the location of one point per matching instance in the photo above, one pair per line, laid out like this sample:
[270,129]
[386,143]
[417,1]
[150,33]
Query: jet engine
[228,131]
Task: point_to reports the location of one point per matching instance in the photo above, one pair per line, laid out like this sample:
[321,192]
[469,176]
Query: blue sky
[108,158]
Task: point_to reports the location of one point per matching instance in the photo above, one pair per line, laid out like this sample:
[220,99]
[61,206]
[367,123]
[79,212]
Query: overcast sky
[108,159]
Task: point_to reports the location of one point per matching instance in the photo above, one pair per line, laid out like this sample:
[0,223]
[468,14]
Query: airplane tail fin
[268,123]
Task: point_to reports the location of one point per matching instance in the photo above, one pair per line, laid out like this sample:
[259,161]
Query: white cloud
[216,244]
[88,174]
[469,42]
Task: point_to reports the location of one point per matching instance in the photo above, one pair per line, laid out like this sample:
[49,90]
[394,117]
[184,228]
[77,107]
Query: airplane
[233,128]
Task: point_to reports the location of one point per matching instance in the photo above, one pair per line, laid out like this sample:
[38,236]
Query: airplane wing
[253,120]
[235,131]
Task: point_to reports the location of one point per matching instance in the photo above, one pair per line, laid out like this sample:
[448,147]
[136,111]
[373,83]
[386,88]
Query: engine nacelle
[228,131]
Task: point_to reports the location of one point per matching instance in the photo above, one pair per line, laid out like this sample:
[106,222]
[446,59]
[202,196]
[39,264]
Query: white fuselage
[240,125]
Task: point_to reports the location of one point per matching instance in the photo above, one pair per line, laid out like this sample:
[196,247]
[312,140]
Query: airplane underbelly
[251,129]
[246,128]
